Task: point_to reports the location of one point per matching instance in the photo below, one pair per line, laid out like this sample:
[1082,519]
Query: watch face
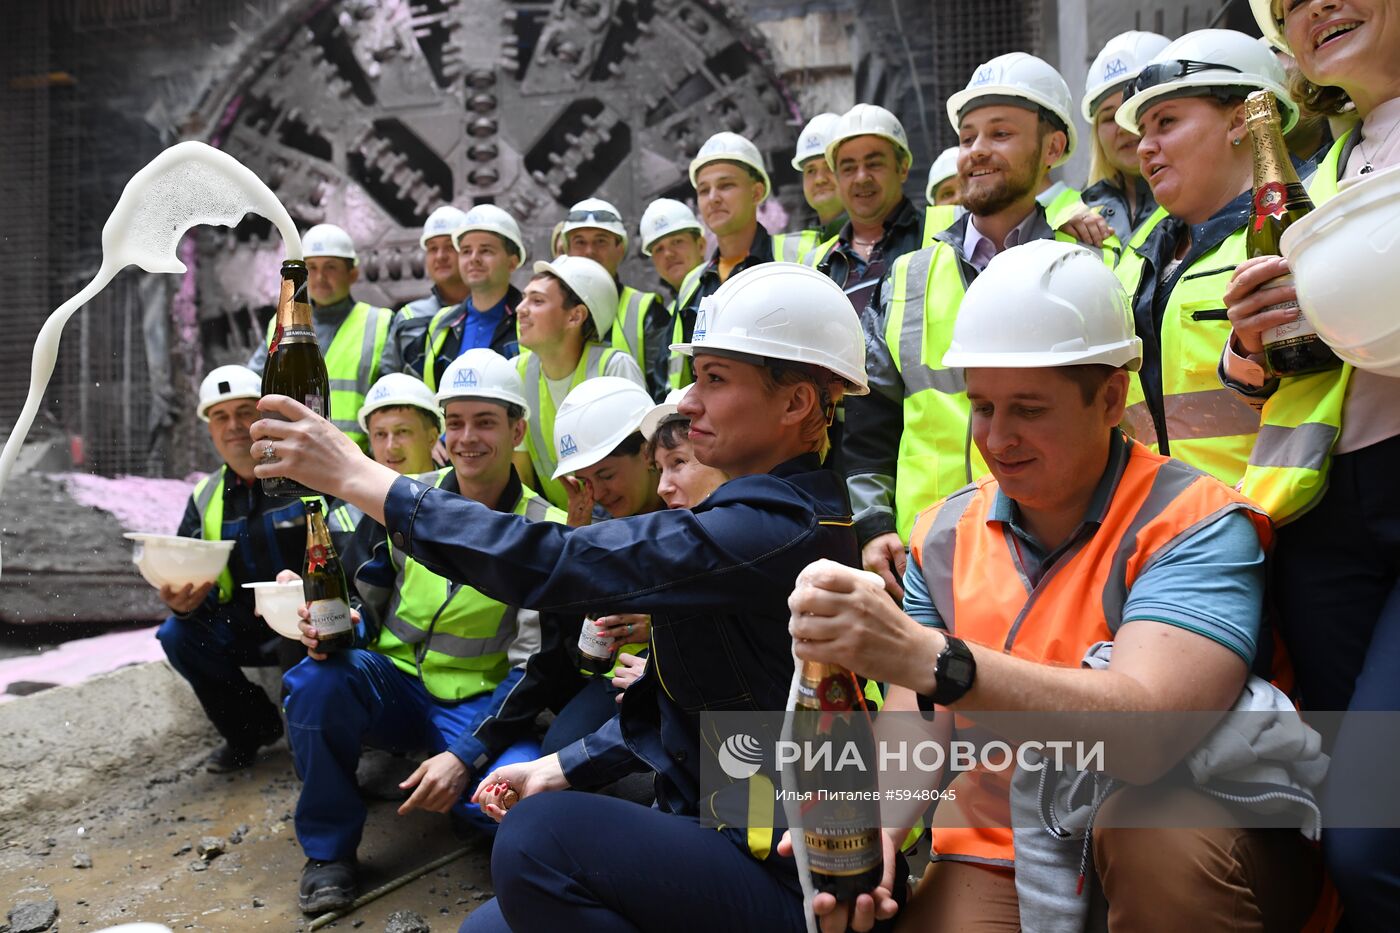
[958,670]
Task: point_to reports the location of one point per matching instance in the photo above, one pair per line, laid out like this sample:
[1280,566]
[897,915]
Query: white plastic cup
[278,603]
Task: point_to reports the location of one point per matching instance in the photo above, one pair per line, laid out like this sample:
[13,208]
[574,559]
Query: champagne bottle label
[1293,332]
[595,649]
[330,616]
[842,848]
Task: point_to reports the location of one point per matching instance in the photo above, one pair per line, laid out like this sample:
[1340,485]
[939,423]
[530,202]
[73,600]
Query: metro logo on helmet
[985,75]
[1114,67]
[466,379]
[379,394]
[567,446]
[700,326]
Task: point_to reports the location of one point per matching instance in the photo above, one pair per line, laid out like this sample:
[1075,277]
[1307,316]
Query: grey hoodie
[1260,756]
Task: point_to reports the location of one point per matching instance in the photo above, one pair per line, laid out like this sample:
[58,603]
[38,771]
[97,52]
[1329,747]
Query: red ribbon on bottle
[1270,201]
[315,558]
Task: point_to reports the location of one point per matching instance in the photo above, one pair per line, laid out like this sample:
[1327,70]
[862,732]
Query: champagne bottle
[595,650]
[1279,200]
[294,365]
[323,584]
[841,827]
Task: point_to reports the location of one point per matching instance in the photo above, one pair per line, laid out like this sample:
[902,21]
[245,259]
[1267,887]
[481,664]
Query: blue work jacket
[715,579]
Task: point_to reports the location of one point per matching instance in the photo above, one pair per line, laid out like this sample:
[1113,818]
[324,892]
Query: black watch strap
[954,672]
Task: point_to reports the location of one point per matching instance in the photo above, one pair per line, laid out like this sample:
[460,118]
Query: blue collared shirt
[480,326]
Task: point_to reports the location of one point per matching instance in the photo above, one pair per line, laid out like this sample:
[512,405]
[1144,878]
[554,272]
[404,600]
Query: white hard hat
[591,282]
[868,120]
[1044,303]
[225,383]
[1121,58]
[1018,77]
[482,373]
[663,217]
[659,413]
[442,222]
[730,147]
[594,214]
[1270,23]
[596,416]
[783,311]
[943,168]
[328,240]
[1345,258]
[395,389]
[1204,63]
[811,142]
[488,218]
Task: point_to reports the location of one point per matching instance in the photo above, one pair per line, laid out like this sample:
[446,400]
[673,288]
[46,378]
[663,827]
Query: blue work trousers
[592,864]
[209,652]
[583,715]
[1337,598]
[357,698]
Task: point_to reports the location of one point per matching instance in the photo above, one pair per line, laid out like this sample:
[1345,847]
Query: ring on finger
[268,453]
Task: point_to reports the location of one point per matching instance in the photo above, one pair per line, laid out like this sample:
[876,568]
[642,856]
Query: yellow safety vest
[352,364]
[1301,421]
[209,503]
[454,639]
[1062,207]
[936,453]
[539,439]
[937,218]
[1208,425]
[679,372]
[629,328]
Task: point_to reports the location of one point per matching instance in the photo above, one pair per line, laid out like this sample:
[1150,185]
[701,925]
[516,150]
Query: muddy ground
[142,839]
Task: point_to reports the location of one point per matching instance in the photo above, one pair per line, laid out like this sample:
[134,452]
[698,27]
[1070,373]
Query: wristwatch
[954,672]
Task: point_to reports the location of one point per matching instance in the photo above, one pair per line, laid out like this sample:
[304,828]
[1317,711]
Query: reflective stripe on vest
[451,637]
[209,502]
[433,342]
[629,328]
[352,364]
[795,247]
[1208,426]
[1301,421]
[679,372]
[935,453]
[539,439]
[979,589]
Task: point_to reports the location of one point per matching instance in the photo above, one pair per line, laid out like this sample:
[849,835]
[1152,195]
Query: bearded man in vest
[1014,125]
[1086,573]
[212,633]
[437,665]
[350,334]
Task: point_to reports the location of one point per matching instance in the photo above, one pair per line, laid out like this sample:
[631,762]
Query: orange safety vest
[980,592]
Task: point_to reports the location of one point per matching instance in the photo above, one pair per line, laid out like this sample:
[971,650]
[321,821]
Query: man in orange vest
[1078,538]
